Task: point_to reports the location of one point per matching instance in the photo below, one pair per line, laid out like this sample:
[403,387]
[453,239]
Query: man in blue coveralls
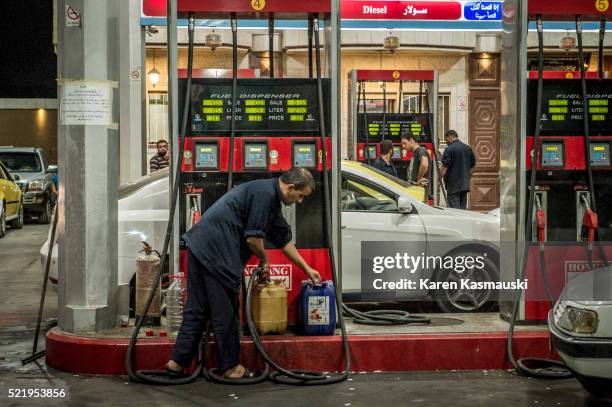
[220,244]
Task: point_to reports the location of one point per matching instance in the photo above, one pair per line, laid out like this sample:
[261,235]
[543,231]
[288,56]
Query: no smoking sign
[73,17]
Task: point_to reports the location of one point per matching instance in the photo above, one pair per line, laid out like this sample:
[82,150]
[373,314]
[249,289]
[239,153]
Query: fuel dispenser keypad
[305,155]
[600,154]
[207,156]
[552,154]
[372,150]
[255,156]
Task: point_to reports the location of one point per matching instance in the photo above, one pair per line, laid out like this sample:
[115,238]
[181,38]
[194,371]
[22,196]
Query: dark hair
[161,141]
[407,135]
[385,147]
[300,177]
[451,134]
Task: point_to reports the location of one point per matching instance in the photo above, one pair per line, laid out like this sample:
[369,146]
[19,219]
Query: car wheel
[466,299]
[2,222]
[601,388]
[45,215]
[18,223]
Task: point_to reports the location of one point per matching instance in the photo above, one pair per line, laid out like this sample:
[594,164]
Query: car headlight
[580,321]
[36,185]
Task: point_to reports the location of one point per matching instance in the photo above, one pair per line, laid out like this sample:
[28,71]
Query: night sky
[28,65]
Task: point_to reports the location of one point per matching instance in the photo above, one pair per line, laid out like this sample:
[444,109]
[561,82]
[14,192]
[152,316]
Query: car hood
[463,214]
[590,288]
[25,177]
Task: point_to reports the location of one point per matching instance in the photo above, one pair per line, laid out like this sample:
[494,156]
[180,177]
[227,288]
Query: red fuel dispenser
[275,128]
[572,175]
[370,128]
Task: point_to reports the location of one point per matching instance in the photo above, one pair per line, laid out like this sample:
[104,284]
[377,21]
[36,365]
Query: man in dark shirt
[383,162]
[419,170]
[219,245]
[458,163]
[162,158]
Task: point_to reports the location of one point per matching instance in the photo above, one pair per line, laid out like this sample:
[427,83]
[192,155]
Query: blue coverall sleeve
[259,212]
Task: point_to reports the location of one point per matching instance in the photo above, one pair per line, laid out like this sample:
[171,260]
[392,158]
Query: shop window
[376,105]
[157,125]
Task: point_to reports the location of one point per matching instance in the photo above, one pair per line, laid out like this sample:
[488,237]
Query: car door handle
[343,227]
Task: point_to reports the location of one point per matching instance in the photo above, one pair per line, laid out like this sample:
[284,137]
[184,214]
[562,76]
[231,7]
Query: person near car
[383,162]
[162,158]
[419,170]
[457,166]
[219,246]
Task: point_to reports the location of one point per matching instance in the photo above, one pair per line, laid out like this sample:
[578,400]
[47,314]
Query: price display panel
[600,154]
[305,155]
[256,156]
[207,155]
[395,125]
[552,154]
[562,109]
[263,106]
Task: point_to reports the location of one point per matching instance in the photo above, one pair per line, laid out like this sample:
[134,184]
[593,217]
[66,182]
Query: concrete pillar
[132,77]
[88,171]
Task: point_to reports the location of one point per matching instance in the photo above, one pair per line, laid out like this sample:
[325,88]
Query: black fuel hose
[154,376]
[550,369]
[602,35]
[300,377]
[384,317]
[434,140]
[587,143]
[230,171]
[366,128]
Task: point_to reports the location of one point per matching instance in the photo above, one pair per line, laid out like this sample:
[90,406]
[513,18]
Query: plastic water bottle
[175,299]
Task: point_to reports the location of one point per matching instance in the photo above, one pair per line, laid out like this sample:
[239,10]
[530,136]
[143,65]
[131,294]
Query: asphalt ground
[20,285]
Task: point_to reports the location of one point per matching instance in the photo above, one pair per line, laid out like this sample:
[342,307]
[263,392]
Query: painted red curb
[76,354]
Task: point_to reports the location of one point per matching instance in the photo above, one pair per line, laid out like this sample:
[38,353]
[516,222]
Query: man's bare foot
[172,365]
[235,372]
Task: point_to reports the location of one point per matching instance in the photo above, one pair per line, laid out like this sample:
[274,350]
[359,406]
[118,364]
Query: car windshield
[139,183]
[403,183]
[21,162]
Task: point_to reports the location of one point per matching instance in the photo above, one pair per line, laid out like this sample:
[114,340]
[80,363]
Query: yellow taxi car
[11,204]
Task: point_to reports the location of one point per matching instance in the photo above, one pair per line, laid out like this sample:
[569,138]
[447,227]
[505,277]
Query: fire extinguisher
[147,265]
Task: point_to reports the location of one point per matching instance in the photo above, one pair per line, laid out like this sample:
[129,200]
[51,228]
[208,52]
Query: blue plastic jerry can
[317,310]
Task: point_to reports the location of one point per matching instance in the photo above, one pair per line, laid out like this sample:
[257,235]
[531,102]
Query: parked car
[31,165]
[11,204]
[580,324]
[371,203]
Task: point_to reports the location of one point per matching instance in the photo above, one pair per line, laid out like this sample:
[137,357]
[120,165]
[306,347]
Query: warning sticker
[281,272]
[318,310]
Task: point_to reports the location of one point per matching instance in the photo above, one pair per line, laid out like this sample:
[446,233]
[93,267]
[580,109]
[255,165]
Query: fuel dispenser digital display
[552,154]
[207,156]
[395,125]
[372,152]
[305,155]
[397,153]
[600,154]
[256,155]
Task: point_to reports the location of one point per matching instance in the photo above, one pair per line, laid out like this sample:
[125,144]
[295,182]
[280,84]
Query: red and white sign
[73,17]
[400,10]
[277,272]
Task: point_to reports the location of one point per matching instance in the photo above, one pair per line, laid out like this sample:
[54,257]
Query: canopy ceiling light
[153,74]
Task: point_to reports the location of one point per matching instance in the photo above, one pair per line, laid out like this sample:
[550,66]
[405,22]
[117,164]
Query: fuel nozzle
[540,220]
[590,221]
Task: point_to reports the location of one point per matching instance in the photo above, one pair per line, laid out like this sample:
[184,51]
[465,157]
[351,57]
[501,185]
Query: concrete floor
[20,281]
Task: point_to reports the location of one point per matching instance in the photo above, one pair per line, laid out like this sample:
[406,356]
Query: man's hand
[313,275]
[265,267]
[167,156]
[423,182]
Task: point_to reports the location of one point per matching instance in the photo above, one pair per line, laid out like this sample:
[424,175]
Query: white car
[375,207]
[581,328]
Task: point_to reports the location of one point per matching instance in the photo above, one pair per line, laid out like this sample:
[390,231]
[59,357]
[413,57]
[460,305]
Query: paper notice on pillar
[86,104]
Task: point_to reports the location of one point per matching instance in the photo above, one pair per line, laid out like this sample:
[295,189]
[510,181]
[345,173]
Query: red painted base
[78,354]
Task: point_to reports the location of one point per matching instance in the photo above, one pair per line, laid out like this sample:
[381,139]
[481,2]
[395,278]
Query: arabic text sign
[401,10]
[86,103]
[483,11]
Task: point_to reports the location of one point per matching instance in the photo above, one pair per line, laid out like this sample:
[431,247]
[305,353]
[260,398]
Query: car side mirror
[404,206]
[16,177]
[52,169]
